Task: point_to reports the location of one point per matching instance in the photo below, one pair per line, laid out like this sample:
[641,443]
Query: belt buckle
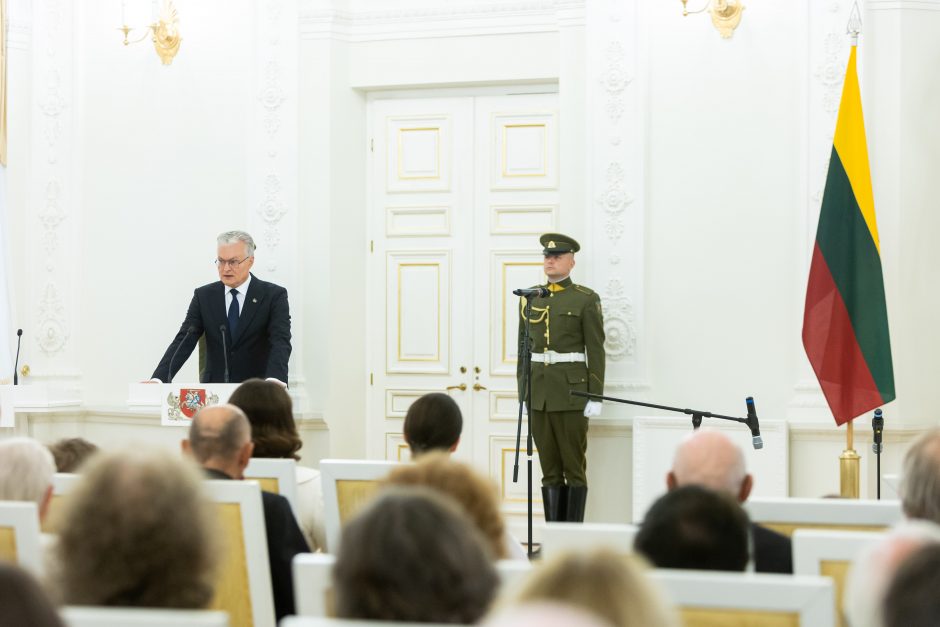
[551,357]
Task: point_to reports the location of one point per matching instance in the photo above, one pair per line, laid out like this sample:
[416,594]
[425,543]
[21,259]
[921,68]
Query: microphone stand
[697,414]
[525,354]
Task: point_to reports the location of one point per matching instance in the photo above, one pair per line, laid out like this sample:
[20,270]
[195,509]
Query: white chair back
[311,621]
[313,576]
[830,554]
[347,485]
[787,515]
[278,476]
[19,535]
[707,598]
[245,564]
[560,537]
[75,616]
[512,573]
[62,484]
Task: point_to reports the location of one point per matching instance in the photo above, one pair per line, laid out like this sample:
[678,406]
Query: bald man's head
[219,433]
[710,459]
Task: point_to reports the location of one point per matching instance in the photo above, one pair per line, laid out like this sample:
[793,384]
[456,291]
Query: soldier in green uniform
[567,340]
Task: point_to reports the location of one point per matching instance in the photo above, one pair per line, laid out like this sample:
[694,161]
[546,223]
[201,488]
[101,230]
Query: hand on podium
[592,409]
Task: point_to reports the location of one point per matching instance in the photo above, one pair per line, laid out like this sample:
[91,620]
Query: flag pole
[849,465]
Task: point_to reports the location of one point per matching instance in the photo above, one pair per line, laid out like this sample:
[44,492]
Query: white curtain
[7,329]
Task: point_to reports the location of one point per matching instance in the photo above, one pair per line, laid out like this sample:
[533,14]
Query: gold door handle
[461,387]
[477,387]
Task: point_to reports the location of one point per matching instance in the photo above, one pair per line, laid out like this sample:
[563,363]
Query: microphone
[532,292]
[169,372]
[753,424]
[224,329]
[16,362]
[878,425]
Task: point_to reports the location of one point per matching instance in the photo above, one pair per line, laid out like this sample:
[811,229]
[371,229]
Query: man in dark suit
[242,317]
[220,440]
[710,459]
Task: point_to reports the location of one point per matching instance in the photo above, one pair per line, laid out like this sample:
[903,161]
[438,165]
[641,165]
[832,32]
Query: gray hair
[26,470]
[233,237]
[223,437]
[920,483]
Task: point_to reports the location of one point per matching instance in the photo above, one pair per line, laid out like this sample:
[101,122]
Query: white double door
[460,190]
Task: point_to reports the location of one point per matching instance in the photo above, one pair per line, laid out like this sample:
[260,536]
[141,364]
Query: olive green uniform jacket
[567,321]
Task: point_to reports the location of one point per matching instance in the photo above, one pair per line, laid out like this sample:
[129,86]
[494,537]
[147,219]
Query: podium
[177,402]
[34,397]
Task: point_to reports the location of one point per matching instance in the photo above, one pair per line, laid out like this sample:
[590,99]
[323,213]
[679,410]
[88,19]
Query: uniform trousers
[561,440]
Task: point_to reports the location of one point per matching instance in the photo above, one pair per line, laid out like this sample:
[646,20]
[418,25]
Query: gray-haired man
[246,322]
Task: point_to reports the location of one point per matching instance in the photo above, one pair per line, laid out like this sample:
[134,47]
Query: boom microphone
[532,292]
[169,372]
[878,426]
[224,329]
[16,362]
[756,440]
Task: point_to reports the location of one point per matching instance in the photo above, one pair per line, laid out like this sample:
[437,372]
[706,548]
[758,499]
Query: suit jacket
[773,552]
[565,321]
[260,346]
[285,540]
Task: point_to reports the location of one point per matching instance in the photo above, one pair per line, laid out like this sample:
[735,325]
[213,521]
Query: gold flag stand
[849,466]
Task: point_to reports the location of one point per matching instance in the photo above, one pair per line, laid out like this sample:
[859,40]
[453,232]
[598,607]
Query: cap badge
[551,244]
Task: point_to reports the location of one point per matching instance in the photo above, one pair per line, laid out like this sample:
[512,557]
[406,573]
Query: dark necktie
[233,314]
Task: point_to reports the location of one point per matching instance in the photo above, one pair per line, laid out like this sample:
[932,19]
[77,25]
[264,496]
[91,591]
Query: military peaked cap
[556,243]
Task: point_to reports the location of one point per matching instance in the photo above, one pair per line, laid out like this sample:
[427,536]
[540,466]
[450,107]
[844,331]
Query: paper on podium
[179,402]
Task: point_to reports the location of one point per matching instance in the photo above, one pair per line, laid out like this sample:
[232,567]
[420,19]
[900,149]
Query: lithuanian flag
[845,322]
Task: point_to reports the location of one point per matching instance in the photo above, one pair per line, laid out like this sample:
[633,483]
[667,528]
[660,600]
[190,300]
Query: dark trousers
[561,440]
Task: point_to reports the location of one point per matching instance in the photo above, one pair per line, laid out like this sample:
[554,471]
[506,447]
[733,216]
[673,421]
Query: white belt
[551,357]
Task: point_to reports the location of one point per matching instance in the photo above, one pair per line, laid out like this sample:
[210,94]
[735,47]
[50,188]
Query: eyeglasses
[232,263]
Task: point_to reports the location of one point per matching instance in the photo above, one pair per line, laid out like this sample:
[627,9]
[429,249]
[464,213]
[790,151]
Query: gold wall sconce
[164,31]
[726,14]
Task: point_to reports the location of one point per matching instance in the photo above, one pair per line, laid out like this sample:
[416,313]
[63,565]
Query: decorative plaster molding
[51,97]
[903,5]
[443,20]
[53,330]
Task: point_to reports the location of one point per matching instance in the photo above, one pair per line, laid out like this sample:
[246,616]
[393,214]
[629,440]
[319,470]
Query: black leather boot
[577,497]
[552,501]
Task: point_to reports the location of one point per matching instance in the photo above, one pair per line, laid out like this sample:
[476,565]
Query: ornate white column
[273,212]
[616,149]
[52,307]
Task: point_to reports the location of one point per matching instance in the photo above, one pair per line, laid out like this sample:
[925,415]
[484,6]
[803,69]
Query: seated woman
[611,586]
[138,531]
[270,412]
[432,423]
[472,491]
[411,555]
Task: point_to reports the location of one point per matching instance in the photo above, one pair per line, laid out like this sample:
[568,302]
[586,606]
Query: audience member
[473,492]
[274,433]
[911,599]
[709,458]
[433,423]
[694,527]
[138,531]
[873,570]
[23,602]
[411,555]
[610,585]
[220,440]
[71,453]
[920,478]
[26,470]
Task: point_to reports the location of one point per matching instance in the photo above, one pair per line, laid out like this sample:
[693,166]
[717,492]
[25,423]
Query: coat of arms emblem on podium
[190,400]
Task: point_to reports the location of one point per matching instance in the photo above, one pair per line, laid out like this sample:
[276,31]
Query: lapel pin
[254,300]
